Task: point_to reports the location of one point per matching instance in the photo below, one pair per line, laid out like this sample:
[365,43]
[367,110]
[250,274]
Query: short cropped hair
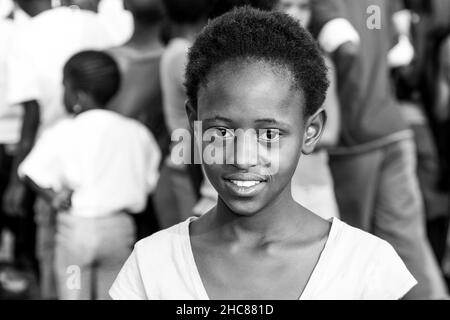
[221,7]
[255,35]
[94,72]
[187,11]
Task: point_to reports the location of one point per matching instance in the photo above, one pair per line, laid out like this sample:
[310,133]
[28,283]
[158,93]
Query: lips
[244,185]
[245,177]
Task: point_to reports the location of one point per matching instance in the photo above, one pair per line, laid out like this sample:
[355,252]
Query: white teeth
[245,184]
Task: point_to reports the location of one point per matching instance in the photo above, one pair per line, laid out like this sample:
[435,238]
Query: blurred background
[382,165]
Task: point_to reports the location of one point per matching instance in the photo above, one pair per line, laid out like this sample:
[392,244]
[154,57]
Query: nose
[246,149]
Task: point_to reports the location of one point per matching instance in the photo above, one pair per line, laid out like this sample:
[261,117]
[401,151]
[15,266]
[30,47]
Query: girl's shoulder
[358,257]
[163,246]
[166,236]
[155,268]
[353,242]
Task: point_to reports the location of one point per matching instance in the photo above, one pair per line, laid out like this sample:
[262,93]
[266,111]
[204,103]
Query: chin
[243,208]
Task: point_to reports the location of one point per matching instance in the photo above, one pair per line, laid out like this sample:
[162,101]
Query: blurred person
[442,110]
[139,59]
[220,7]
[312,183]
[96,169]
[22,256]
[117,22]
[187,17]
[35,64]
[140,95]
[411,98]
[6,7]
[10,118]
[374,164]
[431,28]
[35,61]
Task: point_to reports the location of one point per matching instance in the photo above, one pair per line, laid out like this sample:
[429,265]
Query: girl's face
[254,114]
[297,9]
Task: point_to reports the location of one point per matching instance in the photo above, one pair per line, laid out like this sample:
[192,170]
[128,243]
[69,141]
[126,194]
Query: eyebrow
[218,118]
[268,121]
[265,121]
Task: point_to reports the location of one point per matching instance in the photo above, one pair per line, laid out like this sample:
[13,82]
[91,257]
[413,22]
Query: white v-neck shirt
[353,265]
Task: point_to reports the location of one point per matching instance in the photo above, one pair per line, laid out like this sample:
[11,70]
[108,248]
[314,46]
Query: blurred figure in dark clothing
[374,165]
[430,30]
[179,185]
[420,107]
[140,95]
[139,58]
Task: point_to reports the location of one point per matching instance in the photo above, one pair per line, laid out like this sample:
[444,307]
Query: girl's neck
[271,224]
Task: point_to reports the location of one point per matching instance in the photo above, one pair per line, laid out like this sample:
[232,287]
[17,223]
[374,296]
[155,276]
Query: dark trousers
[146,223]
[436,198]
[23,228]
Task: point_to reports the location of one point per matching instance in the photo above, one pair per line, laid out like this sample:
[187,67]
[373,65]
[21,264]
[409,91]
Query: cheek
[214,174]
[289,154]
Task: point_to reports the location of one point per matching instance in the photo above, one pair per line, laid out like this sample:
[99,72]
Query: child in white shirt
[95,169]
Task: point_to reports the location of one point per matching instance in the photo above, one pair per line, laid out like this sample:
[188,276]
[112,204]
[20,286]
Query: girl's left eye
[269,135]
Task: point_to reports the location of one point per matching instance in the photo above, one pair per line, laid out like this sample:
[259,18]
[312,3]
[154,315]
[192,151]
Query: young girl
[95,169]
[261,74]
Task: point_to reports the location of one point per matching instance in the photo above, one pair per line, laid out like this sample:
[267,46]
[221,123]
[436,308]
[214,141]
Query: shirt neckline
[198,282]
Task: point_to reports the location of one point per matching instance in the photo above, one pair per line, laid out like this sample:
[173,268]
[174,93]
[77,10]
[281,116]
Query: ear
[314,128]
[86,101]
[191,113]
[83,98]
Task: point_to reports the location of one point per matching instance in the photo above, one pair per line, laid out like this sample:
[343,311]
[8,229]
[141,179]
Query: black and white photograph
[249,151]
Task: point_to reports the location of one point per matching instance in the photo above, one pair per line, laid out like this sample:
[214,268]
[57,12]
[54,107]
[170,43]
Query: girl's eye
[222,133]
[271,135]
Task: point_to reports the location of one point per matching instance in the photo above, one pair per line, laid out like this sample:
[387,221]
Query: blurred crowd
[92,92]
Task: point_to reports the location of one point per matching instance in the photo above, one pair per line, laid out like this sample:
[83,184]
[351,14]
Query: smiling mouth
[245,184]
[245,187]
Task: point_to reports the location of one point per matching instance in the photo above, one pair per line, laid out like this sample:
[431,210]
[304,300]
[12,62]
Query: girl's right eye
[221,133]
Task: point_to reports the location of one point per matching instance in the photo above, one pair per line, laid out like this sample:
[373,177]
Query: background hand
[13,198]
[62,201]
